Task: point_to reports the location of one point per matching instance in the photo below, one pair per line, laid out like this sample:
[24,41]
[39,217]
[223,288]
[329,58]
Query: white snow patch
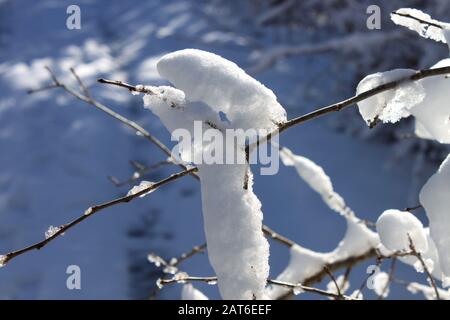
[189,292]
[342,283]
[316,178]
[395,228]
[142,186]
[391,105]
[434,197]
[434,29]
[51,231]
[221,84]
[381,284]
[433,112]
[207,84]
[428,291]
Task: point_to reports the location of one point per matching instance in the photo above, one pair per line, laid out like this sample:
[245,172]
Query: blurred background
[56,152]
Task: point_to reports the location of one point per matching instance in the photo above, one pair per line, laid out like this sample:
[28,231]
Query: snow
[87,146]
[316,178]
[156,260]
[303,263]
[425,30]
[189,292]
[237,248]
[141,187]
[342,283]
[428,291]
[425,99]
[432,113]
[391,105]
[221,84]
[51,231]
[434,198]
[206,85]
[358,239]
[2,260]
[396,227]
[381,284]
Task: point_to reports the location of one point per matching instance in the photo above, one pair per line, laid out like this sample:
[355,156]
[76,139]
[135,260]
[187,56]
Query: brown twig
[421,74]
[270,281]
[91,211]
[333,279]
[133,125]
[131,88]
[139,173]
[429,23]
[418,255]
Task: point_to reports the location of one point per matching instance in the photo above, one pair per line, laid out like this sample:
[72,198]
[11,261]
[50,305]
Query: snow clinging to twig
[396,228]
[434,197]
[207,85]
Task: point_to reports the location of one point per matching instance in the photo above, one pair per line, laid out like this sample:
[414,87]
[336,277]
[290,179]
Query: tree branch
[91,211]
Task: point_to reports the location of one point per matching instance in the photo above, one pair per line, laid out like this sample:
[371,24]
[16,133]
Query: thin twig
[406,15]
[83,87]
[131,88]
[424,266]
[308,289]
[390,278]
[410,209]
[91,211]
[138,174]
[421,74]
[333,279]
[195,250]
[110,112]
[270,281]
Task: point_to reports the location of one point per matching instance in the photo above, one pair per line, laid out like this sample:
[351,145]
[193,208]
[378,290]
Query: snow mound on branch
[430,255]
[434,197]
[391,105]
[221,84]
[428,291]
[381,284]
[341,282]
[396,227]
[189,292]
[421,23]
[358,239]
[237,248]
[316,178]
[433,112]
[305,263]
[426,99]
[207,85]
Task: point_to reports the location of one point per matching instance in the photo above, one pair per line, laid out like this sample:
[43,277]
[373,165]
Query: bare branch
[429,23]
[92,210]
[418,255]
[270,281]
[110,112]
[421,74]
[140,89]
[83,87]
[330,274]
[142,170]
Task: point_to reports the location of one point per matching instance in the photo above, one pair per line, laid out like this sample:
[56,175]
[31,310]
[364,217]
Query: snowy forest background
[56,152]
